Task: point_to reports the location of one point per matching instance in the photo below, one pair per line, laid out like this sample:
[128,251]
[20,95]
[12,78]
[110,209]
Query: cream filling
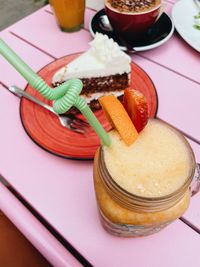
[96,96]
[80,69]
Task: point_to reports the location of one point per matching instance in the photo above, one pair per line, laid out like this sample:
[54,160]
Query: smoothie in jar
[142,187]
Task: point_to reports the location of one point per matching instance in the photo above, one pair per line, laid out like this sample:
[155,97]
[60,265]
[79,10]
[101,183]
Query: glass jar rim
[173,197]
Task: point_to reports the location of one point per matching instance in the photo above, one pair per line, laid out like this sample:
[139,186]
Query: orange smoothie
[142,187]
[155,165]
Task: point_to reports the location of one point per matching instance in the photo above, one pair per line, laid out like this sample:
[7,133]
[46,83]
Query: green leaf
[197,27]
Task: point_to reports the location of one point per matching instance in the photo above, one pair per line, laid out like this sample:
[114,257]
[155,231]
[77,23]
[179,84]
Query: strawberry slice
[136,106]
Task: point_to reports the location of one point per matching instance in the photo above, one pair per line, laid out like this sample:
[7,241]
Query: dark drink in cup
[132,17]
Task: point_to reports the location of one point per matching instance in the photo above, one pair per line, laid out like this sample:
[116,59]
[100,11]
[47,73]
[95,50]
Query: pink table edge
[34,231]
[39,236]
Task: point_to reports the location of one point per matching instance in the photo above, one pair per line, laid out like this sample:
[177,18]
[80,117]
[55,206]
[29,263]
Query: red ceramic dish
[45,130]
[129,24]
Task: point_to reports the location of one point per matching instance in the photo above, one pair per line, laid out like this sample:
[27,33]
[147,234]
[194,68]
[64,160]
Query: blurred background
[13,10]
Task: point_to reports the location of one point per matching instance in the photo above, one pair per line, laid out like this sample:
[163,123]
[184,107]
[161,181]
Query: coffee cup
[133,18]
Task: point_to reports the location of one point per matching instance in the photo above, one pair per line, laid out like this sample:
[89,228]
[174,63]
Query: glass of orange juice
[69,14]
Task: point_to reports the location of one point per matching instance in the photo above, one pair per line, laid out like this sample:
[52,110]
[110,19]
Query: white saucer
[157,35]
[183,14]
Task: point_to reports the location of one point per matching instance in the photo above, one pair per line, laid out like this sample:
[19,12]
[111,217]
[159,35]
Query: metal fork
[69,121]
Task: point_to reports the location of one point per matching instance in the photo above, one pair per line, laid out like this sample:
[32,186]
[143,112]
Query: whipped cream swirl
[107,51]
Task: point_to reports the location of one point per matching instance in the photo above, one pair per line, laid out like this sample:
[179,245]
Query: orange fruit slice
[117,115]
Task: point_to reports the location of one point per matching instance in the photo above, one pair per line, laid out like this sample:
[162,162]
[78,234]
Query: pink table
[60,190]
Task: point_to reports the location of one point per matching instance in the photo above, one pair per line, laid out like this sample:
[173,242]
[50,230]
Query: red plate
[45,129]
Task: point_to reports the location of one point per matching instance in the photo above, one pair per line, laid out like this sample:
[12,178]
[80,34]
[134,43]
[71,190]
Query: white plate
[183,14]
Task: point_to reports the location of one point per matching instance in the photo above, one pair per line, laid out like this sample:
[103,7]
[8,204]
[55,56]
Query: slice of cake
[104,69]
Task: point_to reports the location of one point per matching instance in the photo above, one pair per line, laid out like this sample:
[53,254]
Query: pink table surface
[162,55]
[35,232]
[62,190]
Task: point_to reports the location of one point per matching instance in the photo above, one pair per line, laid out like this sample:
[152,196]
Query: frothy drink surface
[157,164]
[132,5]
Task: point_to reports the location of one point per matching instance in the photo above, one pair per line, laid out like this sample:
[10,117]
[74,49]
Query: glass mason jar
[124,214]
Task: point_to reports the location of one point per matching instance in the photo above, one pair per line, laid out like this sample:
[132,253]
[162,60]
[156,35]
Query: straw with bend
[65,95]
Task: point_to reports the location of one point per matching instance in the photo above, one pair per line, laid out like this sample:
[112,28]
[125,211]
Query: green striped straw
[65,95]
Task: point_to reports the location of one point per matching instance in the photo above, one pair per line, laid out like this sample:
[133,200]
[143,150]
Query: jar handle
[195,185]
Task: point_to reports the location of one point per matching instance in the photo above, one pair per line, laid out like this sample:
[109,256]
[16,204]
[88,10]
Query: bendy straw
[65,95]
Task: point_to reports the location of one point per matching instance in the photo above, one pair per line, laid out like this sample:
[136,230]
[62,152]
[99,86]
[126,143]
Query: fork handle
[21,93]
